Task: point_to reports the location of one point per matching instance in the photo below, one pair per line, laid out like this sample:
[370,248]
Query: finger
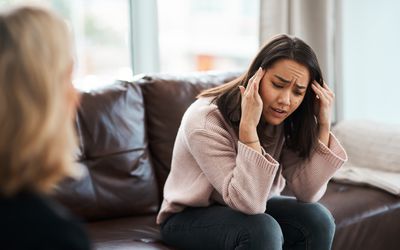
[329,91]
[323,91]
[257,80]
[326,87]
[252,78]
[314,86]
[252,85]
[242,89]
[251,82]
[317,91]
[324,97]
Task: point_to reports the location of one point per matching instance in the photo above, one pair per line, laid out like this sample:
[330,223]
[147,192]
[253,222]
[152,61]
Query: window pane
[207,34]
[370,60]
[101,34]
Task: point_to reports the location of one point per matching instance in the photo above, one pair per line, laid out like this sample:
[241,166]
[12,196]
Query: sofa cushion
[166,99]
[366,217]
[119,179]
[139,232]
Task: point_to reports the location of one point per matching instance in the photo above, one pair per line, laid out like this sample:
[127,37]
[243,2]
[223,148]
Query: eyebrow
[299,86]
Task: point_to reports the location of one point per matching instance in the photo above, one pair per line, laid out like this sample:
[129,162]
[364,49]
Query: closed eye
[277,85]
[297,93]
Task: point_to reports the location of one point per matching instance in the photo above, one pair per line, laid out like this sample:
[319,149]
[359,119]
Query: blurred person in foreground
[37,140]
[240,144]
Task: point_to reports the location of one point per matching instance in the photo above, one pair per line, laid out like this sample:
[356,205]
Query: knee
[320,218]
[263,232]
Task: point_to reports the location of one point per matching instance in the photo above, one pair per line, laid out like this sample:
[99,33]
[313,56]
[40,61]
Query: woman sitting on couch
[238,146]
[37,140]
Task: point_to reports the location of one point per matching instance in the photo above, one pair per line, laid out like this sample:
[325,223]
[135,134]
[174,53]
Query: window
[101,33]
[207,34]
[190,35]
[370,60]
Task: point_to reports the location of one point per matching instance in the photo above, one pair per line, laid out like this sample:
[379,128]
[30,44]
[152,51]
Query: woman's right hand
[251,107]
[252,104]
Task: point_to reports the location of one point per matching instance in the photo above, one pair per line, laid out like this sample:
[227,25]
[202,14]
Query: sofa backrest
[118,179]
[166,98]
[126,137]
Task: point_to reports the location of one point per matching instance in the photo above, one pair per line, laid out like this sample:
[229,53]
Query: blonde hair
[37,136]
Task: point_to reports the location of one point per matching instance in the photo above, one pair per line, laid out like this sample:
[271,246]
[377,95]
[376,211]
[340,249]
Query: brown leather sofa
[126,134]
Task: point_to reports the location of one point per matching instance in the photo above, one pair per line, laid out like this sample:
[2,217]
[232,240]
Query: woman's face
[282,89]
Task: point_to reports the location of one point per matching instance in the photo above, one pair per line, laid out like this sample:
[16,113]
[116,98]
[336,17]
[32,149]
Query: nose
[284,98]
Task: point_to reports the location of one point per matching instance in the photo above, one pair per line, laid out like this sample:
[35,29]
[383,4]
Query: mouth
[279,112]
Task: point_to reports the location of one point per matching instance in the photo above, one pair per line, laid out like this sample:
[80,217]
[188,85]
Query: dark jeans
[287,224]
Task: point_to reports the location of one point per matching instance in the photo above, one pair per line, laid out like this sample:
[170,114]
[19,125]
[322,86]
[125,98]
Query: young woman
[37,140]
[238,146]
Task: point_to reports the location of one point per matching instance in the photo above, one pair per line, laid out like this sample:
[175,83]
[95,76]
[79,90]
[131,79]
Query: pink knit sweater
[210,164]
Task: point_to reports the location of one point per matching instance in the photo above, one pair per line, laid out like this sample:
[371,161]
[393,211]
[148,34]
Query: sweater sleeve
[243,178]
[308,179]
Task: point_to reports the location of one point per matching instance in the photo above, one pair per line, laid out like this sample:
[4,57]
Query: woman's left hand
[325,99]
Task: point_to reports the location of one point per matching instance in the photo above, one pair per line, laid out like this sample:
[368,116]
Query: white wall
[371,60]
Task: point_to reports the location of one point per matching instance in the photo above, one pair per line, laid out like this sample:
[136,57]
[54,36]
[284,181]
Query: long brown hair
[300,128]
